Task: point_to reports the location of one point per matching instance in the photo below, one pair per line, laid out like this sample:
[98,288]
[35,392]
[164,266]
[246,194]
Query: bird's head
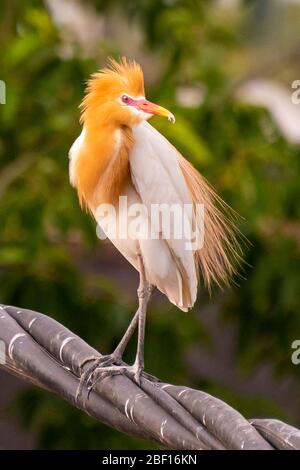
[116,94]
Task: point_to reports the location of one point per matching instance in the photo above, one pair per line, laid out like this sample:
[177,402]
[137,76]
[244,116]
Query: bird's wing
[158,179]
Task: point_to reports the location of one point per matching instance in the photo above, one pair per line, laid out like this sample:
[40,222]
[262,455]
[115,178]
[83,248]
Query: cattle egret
[120,155]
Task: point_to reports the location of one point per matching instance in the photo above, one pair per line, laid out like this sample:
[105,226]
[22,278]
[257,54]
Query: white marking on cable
[131,414]
[126,408]
[31,323]
[11,344]
[65,341]
[162,428]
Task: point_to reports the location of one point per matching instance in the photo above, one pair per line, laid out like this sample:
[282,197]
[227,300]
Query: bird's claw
[108,366]
[101,373]
[133,372]
[105,370]
[86,379]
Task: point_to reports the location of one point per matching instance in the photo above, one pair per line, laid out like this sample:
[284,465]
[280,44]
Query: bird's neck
[102,168]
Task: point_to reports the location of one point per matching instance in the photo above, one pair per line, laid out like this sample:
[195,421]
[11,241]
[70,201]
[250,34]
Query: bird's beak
[152,108]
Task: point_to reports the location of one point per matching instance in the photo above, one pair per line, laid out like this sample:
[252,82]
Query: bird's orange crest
[129,71]
[110,82]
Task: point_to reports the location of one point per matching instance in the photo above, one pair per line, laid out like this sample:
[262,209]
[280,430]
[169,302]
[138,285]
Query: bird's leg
[143,296]
[107,360]
[116,356]
[119,351]
[112,363]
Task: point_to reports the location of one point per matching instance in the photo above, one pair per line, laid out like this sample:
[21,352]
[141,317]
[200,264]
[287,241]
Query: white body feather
[156,179]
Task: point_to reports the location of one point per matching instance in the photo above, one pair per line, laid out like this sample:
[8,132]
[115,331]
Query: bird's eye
[125,99]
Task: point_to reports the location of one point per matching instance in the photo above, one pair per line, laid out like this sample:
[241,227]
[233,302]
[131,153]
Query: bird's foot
[98,362]
[110,365]
[105,366]
[133,372]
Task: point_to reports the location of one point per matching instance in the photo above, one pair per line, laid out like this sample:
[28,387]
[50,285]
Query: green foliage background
[45,238]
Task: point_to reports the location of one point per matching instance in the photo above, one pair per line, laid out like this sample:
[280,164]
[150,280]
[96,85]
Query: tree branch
[44,352]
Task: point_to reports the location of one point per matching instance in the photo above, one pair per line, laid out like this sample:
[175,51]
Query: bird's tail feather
[221,252]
